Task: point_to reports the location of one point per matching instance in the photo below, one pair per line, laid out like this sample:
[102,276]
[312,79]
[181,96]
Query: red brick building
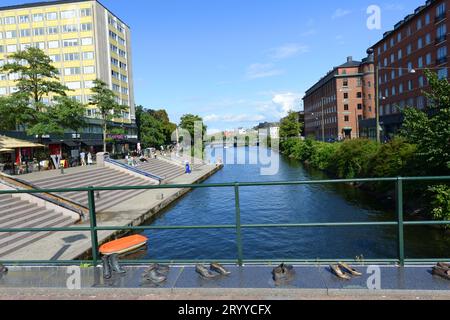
[335,105]
[417,43]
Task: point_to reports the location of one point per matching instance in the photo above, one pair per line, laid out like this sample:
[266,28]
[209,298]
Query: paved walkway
[135,211]
[245,283]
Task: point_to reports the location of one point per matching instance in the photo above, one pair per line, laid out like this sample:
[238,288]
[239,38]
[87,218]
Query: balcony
[441,61]
[440,17]
[440,39]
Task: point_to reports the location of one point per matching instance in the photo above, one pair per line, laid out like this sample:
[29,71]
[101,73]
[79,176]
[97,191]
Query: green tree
[430,129]
[105,101]
[188,123]
[38,78]
[290,126]
[152,134]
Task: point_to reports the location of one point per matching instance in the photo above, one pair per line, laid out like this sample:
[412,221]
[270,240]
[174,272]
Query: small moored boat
[123,245]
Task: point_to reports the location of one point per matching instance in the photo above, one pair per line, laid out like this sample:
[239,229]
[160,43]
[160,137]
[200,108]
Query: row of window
[117,38]
[49,45]
[49,16]
[24,33]
[394,108]
[119,76]
[115,24]
[118,63]
[440,14]
[409,49]
[118,51]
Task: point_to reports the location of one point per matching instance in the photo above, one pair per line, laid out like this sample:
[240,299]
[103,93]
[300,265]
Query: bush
[394,159]
[303,151]
[322,155]
[440,202]
[351,159]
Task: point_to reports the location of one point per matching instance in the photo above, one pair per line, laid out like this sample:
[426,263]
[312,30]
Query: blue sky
[241,62]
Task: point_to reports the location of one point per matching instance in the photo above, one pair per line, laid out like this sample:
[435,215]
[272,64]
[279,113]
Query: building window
[69,14]
[419,43]
[393,74]
[87,12]
[73,85]
[72,71]
[392,58]
[70,43]
[346,107]
[443,73]
[52,30]
[69,28]
[25,33]
[409,49]
[400,88]
[419,24]
[88,55]
[428,39]
[86,27]
[346,118]
[410,85]
[428,59]
[394,91]
[345,95]
[38,32]
[410,66]
[11,34]
[440,11]
[89,84]
[89,70]
[11,48]
[53,44]
[345,83]
[400,54]
[427,19]
[399,37]
[37,17]
[420,62]
[441,33]
[24,19]
[55,57]
[360,106]
[71,56]
[51,16]
[392,42]
[441,55]
[86,41]
[421,82]
[10,20]
[359,95]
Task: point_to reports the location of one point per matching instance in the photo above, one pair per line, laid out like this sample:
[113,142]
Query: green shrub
[351,159]
[322,155]
[393,159]
[440,201]
[303,151]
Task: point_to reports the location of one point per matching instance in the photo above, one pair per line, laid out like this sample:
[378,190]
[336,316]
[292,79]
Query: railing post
[238,225]
[93,225]
[401,235]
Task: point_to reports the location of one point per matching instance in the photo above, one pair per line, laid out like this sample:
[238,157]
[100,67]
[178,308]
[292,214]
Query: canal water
[284,204]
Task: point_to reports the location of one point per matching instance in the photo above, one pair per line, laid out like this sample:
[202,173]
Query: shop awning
[4,150]
[11,143]
[92,143]
[70,143]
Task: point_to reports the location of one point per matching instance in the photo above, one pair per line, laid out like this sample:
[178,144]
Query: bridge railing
[94,228]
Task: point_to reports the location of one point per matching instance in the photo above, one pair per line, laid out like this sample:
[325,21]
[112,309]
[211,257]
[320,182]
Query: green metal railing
[93,228]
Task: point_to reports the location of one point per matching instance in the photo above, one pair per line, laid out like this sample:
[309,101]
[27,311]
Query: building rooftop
[52,3]
[408,18]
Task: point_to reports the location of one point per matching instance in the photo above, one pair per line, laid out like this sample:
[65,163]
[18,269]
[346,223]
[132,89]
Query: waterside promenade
[132,211]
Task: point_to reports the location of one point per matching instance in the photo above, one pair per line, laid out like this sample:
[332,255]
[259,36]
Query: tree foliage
[430,129]
[104,99]
[290,126]
[188,121]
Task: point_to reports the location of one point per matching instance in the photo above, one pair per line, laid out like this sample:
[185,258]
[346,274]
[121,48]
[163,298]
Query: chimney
[349,59]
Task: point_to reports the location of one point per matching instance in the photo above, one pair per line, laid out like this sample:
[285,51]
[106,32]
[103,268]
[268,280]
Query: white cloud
[262,70]
[287,102]
[339,13]
[288,50]
[308,33]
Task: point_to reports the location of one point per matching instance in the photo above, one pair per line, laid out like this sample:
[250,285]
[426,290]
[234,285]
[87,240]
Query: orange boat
[123,245]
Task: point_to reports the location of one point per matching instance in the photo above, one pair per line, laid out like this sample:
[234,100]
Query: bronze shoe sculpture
[219,269]
[443,265]
[3,269]
[349,269]
[204,272]
[283,272]
[442,272]
[338,272]
[106,267]
[114,261]
[155,277]
[160,269]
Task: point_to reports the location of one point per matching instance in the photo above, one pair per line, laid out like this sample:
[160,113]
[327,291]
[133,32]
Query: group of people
[83,159]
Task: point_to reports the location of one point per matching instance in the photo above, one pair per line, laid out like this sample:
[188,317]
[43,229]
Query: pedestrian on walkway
[83,158]
[89,157]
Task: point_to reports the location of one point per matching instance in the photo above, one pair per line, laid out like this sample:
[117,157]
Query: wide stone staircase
[161,168]
[96,177]
[18,213]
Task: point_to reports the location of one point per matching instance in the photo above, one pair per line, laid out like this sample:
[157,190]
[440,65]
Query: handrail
[135,170]
[93,228]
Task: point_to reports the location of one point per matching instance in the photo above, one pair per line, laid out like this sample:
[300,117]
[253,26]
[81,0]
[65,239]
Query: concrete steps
[162,168]
[17,213]
[98,177]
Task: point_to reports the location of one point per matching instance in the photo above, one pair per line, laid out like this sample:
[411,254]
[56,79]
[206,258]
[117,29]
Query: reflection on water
[284,204]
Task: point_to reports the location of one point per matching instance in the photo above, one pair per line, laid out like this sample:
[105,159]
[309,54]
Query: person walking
[89,158]
[83,158]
